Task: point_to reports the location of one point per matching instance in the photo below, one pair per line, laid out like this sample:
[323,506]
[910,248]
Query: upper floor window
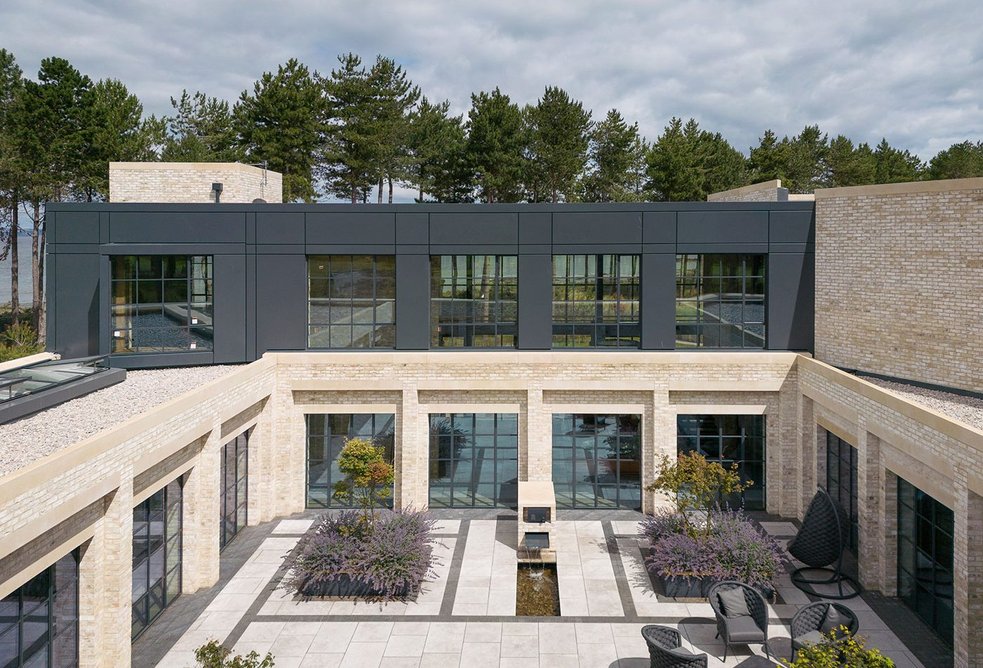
[473,301]
[351,301]
[595,301]
[720,301]
[161,303]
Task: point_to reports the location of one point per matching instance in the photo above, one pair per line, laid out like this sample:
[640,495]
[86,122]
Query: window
[597,461]
[925,530]
[156,555]
[351,301]
[39,621]
[326,436]
[162,303]
[595,301]
[720,301]
[235,477]
[729,439]
[473,301]
[474,460]
[841,482]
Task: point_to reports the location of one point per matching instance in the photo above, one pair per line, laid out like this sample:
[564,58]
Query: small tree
[214,655]
[695,484]
[368,476]
[839,649]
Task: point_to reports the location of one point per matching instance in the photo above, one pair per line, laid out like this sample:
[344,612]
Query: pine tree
[896,166]
[352,152]
[282,125]
[806,166]
[201,130]
[686,163]
[395,99]
[559,138]
[614,161]
[11,86]
[959,161]
[495,146]
[849,166]
[438,165]
[767,161]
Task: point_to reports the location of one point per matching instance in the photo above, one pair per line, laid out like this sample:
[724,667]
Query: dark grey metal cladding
[84,229]
[412,302]
[164,227]
[351,227]
[535,302]
[658,296]
[721,227]
[791,301]
[496,228]
[600,227]
[73,292]
[281,298]
[273,227]
[230,311]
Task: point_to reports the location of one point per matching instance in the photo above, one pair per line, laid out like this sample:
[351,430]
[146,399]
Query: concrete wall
[898,280]
[192,182]
[766,191]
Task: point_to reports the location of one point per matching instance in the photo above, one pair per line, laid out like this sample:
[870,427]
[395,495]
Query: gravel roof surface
[35,436]
[957,406]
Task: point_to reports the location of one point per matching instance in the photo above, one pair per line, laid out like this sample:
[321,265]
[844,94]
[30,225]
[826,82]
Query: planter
[680,586]
[345,586]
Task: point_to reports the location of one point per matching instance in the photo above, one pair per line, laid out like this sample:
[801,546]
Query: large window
[720,301]
[474,460]
[326,437]
[597,461]
[841,482]
[925,529]
[352,301]
[595,301]
[473,301]
[162,303]
[156,555]
[235,479]
[729,439]
[39,621]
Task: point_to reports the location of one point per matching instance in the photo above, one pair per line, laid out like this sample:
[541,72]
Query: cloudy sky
[909,71]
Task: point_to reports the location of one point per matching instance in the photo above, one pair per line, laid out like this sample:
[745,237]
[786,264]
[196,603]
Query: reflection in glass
[596,301]
[720,301]
[351,301]
[474,460]
[156,555]
[326,437]
[729,439]
[234,477]
[841,482]
[597,461]
[473,301]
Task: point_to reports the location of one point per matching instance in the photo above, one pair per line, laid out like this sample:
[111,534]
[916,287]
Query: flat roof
[964,408]
[43,433]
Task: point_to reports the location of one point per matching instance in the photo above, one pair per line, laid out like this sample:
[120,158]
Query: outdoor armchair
[666,651]
[815,620]
[742,615]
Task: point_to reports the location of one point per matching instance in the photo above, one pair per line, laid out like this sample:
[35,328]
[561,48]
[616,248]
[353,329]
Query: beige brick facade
[898,287]
[192,182]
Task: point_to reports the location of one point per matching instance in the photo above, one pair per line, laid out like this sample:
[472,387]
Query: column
[870,502]
[201,528]
[105,583]
[260,483]
[536,451]
[968,574]
[807,454]
[658,439]
[413,443]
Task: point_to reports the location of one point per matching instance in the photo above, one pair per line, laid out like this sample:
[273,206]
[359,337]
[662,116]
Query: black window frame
[141,285]
[454,434]
[841,466]
[383,434]
[694,295]
[465,307]
[589,434]
[711,436]
[169,584]
[325,290]
[235,488]
[581,301]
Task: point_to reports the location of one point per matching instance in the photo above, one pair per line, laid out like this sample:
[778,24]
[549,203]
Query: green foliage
[695,484]
[282,123]
[19,340]
[687,164]
[849,166]
[495,146]
[438,149]
[214,655]
[617,157]
[558,140]
[959,161]
[839,649]
[368,476]
[395,97]
[895,166]
[201,130]
[351,153]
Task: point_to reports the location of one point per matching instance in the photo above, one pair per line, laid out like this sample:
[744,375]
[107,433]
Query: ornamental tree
[368,476]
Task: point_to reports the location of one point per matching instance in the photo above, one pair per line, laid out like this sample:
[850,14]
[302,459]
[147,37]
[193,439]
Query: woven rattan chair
[820,544]
[811,620]
[750,629]
[665,649]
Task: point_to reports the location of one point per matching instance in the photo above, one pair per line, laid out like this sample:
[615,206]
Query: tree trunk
[390,190]
[556,196]
[14,261]
[42,308]
[35,268]
[379,196]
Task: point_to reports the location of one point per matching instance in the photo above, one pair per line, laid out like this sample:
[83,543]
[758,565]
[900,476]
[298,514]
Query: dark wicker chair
[662,640]
[746,630]
[810,619]
[819,544]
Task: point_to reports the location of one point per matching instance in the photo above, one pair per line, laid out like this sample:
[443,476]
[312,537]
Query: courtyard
[465,615]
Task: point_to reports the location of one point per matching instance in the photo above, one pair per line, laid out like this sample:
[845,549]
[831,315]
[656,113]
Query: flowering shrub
[389,555]
[839,650]
[734,549]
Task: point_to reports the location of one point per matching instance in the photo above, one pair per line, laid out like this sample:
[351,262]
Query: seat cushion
[733,602]
[832,620]
[743,629]
[811,638]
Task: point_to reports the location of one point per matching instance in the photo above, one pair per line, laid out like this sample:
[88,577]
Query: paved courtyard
[465,615]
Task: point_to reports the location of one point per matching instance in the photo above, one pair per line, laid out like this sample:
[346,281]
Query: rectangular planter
[347,587]
[692,587]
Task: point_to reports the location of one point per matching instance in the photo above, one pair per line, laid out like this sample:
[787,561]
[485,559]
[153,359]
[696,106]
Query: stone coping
[944,185]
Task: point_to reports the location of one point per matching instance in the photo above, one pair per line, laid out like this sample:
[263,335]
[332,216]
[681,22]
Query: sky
[908,71]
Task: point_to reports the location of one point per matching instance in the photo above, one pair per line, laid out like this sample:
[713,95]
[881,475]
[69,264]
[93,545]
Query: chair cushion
[832,620]
[743,629]
[811,638]
[679,651]
[733,602]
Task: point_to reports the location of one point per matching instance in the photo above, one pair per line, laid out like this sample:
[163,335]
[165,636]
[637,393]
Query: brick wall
[192,182]
[898,280]
[767,191]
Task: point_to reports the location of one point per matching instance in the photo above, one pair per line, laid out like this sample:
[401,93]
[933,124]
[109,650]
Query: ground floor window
[156,555]
[326,436]
[39,621]
[925,529]
[474,460]
[729,439]
[597,461]
[235,477]
[841,483]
